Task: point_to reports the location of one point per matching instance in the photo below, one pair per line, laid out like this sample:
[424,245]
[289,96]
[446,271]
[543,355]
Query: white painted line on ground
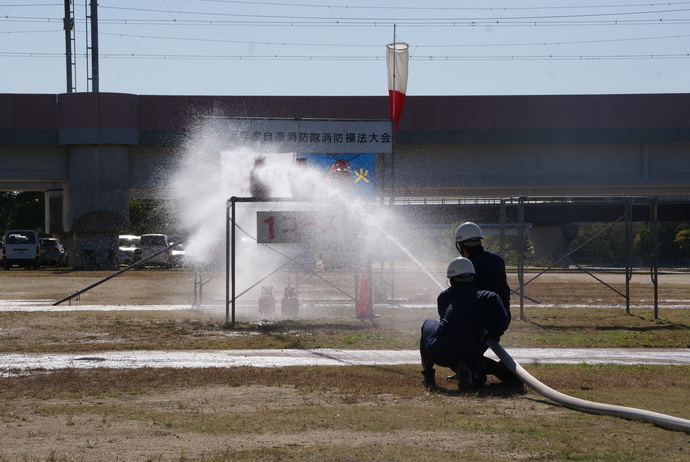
[15,362]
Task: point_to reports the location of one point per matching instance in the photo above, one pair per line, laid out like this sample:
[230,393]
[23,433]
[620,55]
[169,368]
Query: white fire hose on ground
[661,420]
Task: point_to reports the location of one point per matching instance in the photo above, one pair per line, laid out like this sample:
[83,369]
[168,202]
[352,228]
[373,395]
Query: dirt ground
[199,423]
[135,426]
[91,429]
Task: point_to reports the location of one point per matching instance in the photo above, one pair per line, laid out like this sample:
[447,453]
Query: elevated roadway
[92,152]
[453,146]
[543,209]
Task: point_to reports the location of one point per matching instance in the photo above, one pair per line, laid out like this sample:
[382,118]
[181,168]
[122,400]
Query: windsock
[397,56]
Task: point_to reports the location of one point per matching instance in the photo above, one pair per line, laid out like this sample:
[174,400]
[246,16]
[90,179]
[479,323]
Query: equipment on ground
[267,302]
[289,305]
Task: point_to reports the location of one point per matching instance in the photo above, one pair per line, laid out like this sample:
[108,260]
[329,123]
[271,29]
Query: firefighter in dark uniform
[490,266]
[258,187]
[490,271]
[457,340]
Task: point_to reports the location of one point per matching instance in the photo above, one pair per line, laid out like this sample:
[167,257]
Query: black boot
[429,380]
[507,378]
[465,378]
[429,374]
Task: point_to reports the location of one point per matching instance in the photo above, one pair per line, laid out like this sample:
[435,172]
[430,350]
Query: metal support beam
[230,259]
[502,228]
[94,47]
[521,255]
[654,264]
[628,252]
[69,43]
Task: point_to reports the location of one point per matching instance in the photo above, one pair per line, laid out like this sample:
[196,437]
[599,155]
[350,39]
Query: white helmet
[468,231]
[460,267]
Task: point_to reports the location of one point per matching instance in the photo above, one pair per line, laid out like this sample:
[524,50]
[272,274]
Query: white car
[126,248]
[156,244]
[22,248]
[178,255]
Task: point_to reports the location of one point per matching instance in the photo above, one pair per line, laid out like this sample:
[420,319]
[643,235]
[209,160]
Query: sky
[338,47]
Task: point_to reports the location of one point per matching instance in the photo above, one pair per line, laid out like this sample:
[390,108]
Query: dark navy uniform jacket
[468,313]
[490,274]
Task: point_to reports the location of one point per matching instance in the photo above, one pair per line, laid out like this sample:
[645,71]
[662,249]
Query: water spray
[409,255]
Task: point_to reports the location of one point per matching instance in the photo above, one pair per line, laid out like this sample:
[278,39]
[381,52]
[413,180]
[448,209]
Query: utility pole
[70,49]
[69,42]
[94,46]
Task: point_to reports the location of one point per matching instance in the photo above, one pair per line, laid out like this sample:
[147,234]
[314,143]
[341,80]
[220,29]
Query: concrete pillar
[552,241]
[98,203]
[56,217]
[53,211]
[66,225]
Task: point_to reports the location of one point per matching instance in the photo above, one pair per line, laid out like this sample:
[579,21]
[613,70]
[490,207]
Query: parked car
[127,249]
[52,252]
[20,247]
[178,255]
[152,244]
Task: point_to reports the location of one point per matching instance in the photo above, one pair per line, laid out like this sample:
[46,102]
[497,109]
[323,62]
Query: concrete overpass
[92,152]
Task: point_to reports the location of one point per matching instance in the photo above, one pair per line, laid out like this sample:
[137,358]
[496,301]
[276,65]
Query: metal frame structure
[627,202]
[230,260]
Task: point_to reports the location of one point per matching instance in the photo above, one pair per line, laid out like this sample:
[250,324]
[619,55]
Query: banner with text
[308,136]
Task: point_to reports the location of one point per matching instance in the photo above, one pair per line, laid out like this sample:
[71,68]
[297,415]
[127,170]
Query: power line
[291,18]
[365,22]
[470,23]
[9,32]
[378,46]
[431,7]
[497,16]
[25,5]
[535,57]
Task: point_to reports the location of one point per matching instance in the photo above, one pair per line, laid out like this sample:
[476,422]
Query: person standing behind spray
[258,187]
[457,340]
[490,271]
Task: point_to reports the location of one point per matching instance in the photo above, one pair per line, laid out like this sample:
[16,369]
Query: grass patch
[393,329]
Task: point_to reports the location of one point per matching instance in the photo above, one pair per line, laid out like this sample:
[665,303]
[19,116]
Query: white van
[127,246]
[22,248]
[151,244]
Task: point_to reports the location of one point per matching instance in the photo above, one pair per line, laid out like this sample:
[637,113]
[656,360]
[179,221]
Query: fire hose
[661,420]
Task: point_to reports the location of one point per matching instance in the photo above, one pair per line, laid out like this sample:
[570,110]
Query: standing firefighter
[258,186]
[490,266]
[490,275]
[457,340]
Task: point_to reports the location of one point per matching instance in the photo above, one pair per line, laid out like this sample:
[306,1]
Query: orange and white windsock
[397,56]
